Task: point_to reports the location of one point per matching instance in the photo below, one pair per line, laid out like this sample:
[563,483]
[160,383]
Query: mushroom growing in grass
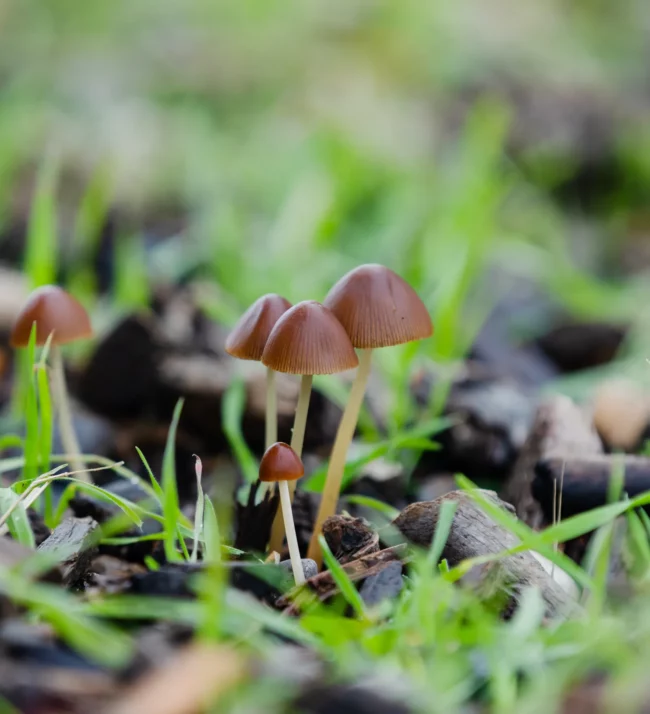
[377,308]
[247,341]
[55,312]
[306,340]
[280,464]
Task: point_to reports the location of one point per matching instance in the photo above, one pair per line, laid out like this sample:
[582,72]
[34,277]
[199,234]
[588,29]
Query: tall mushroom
[55,312]
[247,341]
[306,340]
[282,465]
[377,308]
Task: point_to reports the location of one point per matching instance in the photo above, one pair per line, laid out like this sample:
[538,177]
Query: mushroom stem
[297,440]
[271,423]
[336,467]
[300,420]
[66,425]
[292,540]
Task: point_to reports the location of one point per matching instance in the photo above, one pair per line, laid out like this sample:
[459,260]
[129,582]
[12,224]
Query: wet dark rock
[385,585]
[309,567]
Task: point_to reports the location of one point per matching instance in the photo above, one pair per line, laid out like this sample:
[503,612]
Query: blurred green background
[250,147]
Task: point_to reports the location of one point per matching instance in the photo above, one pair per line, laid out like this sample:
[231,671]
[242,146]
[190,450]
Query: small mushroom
[377,308]
[280,464]
[306,340]
[55,312]
[247,341]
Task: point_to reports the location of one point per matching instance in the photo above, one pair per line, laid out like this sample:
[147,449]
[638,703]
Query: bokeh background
[495,154]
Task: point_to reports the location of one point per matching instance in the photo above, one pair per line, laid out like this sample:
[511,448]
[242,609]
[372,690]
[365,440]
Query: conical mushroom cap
[280,463]
[54,311]
[308,339]
[248,337]
[377,308]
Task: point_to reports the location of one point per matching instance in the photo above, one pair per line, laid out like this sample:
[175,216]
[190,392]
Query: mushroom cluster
[368,308]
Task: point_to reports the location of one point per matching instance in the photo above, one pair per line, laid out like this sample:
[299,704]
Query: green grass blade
[18,521]
[154,481]
[443,528]
[345,585]
[170,504]
[234,403]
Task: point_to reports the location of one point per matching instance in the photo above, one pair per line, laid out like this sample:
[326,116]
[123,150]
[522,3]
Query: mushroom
[281,464]
[306,340]
[377,308]
[247,340]
[55,312]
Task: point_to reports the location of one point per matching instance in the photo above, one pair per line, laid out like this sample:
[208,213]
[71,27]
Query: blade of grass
[170,503]
[345,585]
[200,509]
[443,527]
[234,403]
[18,521]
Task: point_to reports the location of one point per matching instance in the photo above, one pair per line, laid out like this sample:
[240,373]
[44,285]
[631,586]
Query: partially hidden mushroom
[280,464]
[377,308]
[306,340]
[247,341]
[55,312]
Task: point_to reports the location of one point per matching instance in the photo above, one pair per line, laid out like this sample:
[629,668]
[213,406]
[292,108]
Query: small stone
[309,567]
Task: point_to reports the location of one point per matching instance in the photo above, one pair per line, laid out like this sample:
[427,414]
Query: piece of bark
[349,538]
[324,585]
[561,429]
[191,681]
[585,481]
[473,533]
[72,544]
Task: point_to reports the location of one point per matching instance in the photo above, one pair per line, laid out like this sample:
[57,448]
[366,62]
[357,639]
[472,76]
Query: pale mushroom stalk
[377,308]
[290,529]
[271,421]
[280,464]
[306,340]
[66,424]
[297,441]
[336,467]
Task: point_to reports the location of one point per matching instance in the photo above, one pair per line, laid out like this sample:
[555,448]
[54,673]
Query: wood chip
[195,678]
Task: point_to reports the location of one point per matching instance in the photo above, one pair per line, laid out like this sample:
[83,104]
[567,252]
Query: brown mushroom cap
[377,308]
[308,339]
[280,463]
[248,337]
[54,311]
